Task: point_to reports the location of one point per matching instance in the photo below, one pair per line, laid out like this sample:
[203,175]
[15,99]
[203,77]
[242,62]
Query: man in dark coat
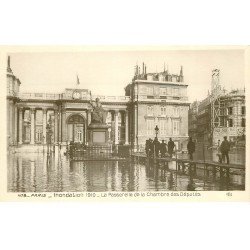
[163,148]
[191,148]
[171,146]
[224,148]
[156,146]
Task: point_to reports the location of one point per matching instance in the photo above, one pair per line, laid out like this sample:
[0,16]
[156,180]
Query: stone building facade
[158,99]
[151,99]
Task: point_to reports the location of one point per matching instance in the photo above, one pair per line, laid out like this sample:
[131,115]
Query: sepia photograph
[124,125]
[126,120]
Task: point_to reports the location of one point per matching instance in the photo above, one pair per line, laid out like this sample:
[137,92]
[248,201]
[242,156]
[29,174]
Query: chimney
[181,72]
[8,65]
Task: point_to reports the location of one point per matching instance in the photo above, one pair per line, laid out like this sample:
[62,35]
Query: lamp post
[156,131]
[49,135]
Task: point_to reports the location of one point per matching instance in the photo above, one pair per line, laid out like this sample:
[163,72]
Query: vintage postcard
[124,123]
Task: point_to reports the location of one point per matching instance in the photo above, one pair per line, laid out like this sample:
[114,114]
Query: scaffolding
[215,100]
[227,117]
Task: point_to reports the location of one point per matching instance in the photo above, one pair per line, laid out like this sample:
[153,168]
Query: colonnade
[60,125]
[33,111]
[116,125]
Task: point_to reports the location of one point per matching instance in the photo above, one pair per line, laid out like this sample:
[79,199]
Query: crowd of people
[157,148]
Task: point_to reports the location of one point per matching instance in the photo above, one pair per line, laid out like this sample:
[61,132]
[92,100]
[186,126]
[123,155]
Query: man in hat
[163,149]
[224,148]
[171,147]
[191,148]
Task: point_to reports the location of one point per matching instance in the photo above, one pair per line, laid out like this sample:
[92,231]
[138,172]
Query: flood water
[39,172]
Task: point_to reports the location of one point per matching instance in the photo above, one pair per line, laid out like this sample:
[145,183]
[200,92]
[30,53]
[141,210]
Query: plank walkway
[193,162]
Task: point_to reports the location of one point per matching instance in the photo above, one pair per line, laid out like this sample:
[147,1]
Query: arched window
[75,119]
[76,128]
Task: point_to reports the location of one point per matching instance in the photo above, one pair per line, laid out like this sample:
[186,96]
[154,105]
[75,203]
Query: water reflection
[38,172]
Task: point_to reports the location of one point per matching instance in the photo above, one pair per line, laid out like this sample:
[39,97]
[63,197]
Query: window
[176,92]
[142,90]
[150,91]
[176,111]
[243,122]
[243,110]
[39,117]
[150,110]
[230,122]
[39,135]
[163,91]
[163,127]
[163,111]
[150,127]
[176,127]
[169,91]
[79,136]
[221,122]
[230,111]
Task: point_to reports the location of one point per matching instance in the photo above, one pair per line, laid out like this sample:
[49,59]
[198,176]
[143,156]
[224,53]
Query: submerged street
[39,172]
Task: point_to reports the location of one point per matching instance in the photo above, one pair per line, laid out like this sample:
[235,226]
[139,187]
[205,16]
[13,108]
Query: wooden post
[214,171]
[194,168]
[207,170]
[221,172]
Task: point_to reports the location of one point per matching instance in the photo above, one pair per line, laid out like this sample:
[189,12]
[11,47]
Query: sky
[108,72]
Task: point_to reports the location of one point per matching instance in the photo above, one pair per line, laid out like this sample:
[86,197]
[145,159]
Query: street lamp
[49,135]
[156,131]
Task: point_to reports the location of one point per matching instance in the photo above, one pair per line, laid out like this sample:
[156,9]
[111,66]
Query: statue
[98,113]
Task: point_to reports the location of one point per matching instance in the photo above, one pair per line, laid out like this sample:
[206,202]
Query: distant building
[220,114]
[232,117]
[151,99]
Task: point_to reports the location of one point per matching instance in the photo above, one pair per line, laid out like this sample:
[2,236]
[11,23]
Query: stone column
[20,141]
[116,128]
[135,125]
[10,123]
[15,125]
[32,126]
[44,125]
[126,127]
[59,125]
[56,126]
[64,126]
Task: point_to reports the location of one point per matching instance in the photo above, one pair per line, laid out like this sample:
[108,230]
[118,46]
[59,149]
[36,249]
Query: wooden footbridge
[192,165]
